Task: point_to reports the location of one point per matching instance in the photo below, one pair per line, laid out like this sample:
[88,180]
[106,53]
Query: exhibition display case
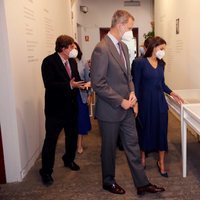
[190,96]
[189,114]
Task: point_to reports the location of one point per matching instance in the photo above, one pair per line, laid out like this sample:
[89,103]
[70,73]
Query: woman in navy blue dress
[84,124]
[152,119]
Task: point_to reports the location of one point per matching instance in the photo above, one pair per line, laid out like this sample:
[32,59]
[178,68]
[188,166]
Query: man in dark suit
[115,105]
[61,80]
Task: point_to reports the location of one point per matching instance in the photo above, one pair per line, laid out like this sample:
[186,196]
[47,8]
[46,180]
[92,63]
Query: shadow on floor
[86,184]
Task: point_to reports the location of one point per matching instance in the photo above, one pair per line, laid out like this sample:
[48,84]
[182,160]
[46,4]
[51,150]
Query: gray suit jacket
[111,81]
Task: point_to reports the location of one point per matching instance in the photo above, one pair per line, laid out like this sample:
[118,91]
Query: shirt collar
[114,40]
[63,60]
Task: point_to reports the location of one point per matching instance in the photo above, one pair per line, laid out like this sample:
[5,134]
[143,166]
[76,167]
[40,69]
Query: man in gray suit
[115,105]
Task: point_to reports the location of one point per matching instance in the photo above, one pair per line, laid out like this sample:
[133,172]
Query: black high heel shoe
[164,174]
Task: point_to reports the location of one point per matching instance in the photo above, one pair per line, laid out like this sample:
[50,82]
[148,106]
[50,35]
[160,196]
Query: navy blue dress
[84,124]
[152,120]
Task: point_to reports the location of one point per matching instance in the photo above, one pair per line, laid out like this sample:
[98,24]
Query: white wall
[183,63]
[7,105]
[99,15]
[28,30]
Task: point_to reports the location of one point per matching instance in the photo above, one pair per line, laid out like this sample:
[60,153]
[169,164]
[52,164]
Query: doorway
[104,31]
[2,166]
[79,35]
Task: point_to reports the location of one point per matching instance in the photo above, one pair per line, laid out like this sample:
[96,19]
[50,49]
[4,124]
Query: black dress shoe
[120,147]
[164,174]
[114,188]
[73,166]
[150,189]
[47,179]
[119,144]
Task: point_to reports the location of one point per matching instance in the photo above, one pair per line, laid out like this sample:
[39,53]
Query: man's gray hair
[121,16]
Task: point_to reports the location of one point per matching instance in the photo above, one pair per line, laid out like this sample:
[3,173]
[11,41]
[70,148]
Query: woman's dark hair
[155,41]
[63,41]
[79,56]
[147,41]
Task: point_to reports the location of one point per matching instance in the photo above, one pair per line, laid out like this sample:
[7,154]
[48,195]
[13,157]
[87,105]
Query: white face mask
[160,54]
[73,53]
[128,35]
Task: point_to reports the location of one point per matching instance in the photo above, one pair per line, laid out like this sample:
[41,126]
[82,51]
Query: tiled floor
[86,184]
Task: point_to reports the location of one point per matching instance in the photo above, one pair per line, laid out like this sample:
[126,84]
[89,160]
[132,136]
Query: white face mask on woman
[128,35]
[160,54]
[73,53]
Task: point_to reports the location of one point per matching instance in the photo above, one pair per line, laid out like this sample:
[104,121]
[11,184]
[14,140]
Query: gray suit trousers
[128,134]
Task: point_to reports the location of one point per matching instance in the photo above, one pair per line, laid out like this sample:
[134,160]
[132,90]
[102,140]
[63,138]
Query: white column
[8,118]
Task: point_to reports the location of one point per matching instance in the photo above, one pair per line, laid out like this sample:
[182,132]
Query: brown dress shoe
[114,188]
[150,188]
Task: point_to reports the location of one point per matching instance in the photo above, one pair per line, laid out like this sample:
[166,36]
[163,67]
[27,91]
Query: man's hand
[132,99]
[87,85]
[77,84]
[126,104]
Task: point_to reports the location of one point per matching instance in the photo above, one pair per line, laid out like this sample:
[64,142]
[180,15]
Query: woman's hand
[135,109]
[177,98]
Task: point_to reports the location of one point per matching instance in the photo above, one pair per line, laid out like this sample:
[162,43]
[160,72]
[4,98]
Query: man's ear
[119,25]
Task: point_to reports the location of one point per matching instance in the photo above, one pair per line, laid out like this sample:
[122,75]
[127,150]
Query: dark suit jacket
[60,99]
[111,81]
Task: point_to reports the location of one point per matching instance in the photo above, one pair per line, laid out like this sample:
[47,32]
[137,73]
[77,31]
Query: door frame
[2,165]
[104,30]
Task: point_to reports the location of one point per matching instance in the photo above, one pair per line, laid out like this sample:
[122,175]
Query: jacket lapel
[61,65]
[115,53]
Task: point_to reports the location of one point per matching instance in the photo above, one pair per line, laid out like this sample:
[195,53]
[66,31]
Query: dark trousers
[53,129]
